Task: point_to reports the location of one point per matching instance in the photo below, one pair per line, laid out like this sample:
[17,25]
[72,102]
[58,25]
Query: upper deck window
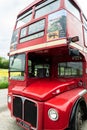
[24,18]
[47,7]
[36,27]
[84,21]
[35,30]
[85,32]
[72,8]
[14,37]
[85,28]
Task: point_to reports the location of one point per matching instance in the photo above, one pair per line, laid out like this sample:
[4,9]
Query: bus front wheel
[78,118]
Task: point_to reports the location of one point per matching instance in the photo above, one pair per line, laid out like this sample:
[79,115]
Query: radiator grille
[17,107]
[25,110]
[30,112]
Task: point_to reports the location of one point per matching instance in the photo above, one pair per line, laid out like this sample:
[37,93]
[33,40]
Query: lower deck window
[70,69]
[17,67]
[39,67]
[43,64]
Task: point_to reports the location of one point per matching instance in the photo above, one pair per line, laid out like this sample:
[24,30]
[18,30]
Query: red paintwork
[71,22]
[63,103]
[44,89]
[60,94]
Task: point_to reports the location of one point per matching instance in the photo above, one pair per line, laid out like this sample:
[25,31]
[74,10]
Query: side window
[38,70]
[85,28]
[84,21]
[70,7]
[47,7]
[23,32]
[36,27]
[14,37]
[35,30]
[24,19]
[85,32]
[70,69]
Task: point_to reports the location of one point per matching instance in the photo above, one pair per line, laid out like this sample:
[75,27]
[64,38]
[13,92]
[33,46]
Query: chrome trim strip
[83,92]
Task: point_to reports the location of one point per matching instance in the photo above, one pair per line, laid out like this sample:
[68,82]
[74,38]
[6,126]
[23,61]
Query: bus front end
[48,67]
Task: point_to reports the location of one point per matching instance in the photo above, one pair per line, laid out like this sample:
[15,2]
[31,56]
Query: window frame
[13,72]
[85,36]
[84,21]
[37,30]
[34,35]
[15,36]
[39,7]
[75,7]
[23,16]
[71,71]
[38,63]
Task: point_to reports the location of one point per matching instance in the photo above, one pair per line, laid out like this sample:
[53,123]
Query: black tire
[78,118]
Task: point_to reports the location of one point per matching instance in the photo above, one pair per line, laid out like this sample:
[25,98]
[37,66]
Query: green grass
[3,78]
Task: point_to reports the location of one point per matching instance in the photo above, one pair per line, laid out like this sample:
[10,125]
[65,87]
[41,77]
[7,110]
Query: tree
[4,63]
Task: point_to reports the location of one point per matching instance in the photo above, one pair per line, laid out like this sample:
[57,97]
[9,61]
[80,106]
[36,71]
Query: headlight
[53,114]
[9,99]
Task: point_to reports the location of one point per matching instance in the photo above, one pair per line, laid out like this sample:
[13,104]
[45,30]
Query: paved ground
[8,123]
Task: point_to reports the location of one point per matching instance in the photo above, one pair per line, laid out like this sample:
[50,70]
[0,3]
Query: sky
[8,13]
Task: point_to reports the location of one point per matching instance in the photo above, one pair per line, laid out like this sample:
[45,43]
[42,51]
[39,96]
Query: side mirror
[73,39]
[73,52]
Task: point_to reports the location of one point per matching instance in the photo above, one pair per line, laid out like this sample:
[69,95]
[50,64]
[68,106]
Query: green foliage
[4,63]
[3,84]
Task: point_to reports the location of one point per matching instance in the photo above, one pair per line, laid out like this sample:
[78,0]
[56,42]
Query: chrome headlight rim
[53,114]
[9,99]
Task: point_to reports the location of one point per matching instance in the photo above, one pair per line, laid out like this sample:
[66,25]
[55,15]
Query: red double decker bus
[47,66]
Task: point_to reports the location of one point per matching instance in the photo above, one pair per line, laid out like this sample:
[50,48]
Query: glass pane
[47,8]
[14,37]
[23,19]
[36,30]
[17,63]
[70,69]
[84,21]
[31,37]
[85,36]
[17,67]
[36,27]
[44,4]
[17,75]
[72,9]
[23,32]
